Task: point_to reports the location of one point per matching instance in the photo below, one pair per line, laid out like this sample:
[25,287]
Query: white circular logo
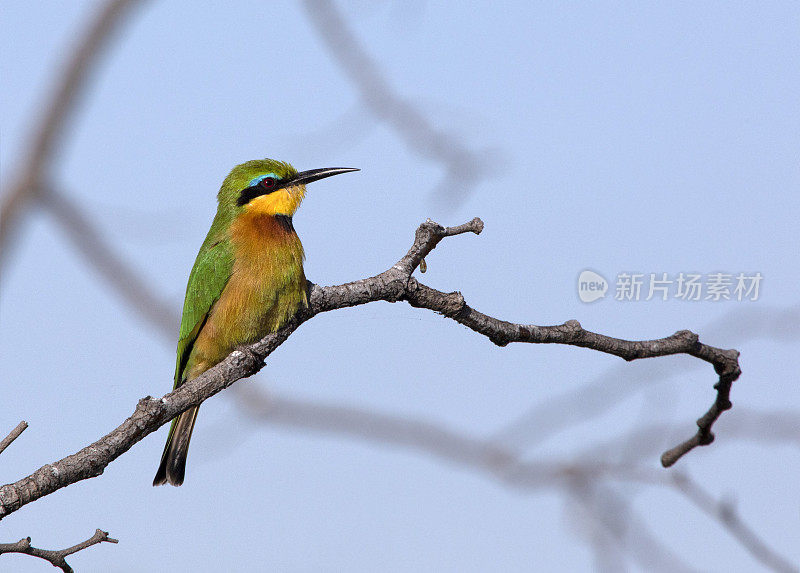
[591,286]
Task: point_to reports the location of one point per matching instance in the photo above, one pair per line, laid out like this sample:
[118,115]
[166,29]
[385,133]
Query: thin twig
[725,362]
[56,557]
[21,427]
[770,427]
[593,399]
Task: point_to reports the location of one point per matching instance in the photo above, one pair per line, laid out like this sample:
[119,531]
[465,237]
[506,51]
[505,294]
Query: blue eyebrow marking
[257,180]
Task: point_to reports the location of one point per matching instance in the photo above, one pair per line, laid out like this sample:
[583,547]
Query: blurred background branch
[464,168]
[31,178]
[582,477]
[100,256]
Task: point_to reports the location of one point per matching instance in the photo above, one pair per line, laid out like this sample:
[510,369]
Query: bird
[246,282]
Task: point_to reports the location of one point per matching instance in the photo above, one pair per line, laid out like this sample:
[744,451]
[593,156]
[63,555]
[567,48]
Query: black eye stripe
[248,194]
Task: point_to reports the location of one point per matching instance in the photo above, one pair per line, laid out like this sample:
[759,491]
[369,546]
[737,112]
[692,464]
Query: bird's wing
[210,274]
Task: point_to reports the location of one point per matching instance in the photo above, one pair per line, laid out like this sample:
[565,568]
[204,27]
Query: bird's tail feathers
[173,460]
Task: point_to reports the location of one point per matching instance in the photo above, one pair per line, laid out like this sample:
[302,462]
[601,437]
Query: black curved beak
[316,174]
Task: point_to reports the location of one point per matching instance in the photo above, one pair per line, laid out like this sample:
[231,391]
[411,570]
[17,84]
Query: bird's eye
[268,182]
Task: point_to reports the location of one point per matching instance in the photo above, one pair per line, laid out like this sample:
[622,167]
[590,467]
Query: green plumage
[208,279]
[247,281]
[210,274]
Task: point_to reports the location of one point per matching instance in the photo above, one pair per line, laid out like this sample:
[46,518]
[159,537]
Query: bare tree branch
[46,137]
[394,284]
[56,558]
[21,427]
[596,397]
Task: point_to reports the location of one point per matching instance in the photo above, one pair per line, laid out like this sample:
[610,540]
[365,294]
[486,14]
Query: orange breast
[266,288]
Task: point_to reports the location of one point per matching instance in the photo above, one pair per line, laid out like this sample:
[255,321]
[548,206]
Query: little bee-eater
[247,281]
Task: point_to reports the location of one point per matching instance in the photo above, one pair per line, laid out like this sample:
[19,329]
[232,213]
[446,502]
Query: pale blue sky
[625,137]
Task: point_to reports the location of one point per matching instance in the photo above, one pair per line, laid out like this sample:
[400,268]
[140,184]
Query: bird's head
[269,187]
